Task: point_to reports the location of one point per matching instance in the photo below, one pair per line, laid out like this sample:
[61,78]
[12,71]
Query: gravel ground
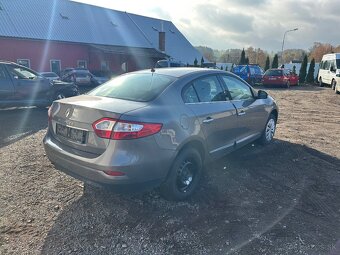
[278,199]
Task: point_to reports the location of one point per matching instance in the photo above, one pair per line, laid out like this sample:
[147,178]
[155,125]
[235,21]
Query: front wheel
[269,131]
[184,175]
[320,82]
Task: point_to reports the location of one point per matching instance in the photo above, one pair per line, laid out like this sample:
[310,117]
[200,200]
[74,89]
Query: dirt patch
[278,199]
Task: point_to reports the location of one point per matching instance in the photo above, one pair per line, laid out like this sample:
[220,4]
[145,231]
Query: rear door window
[189,95]
[140,87]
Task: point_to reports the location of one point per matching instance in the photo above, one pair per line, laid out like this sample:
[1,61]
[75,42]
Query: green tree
[267,66]
[221,68]
[303,70]
[226,67]
[275,63]
[310,74]
[195,62]
[243,57]
[202,61]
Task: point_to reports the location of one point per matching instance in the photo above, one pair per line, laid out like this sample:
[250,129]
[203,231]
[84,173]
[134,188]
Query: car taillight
[124,130]
[49,113]
[114,173]
[103,127]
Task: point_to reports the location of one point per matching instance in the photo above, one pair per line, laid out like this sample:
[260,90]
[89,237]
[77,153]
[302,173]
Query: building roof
[67,21]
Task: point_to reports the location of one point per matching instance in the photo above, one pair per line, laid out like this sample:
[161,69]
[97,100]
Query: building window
[24,62]
[104,65]
[55,66]
[82,63]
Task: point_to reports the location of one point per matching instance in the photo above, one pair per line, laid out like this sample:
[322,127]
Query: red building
[48,35]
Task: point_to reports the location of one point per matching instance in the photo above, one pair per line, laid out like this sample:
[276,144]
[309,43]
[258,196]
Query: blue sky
[224,24]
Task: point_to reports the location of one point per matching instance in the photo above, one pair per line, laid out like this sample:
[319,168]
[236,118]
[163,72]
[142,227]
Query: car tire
[269,130]
[184,175]
[333,84]
[321,84]
[336,89]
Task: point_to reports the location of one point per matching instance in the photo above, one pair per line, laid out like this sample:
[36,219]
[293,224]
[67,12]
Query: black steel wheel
[184,175]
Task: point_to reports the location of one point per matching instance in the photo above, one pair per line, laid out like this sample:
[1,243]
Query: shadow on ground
[278,199]
[17,123]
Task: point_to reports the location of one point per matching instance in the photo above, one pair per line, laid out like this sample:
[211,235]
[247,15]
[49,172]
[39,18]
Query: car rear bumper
[274,83]
[143,169]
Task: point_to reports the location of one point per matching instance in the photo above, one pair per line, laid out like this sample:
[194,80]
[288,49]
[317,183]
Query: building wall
[41,52]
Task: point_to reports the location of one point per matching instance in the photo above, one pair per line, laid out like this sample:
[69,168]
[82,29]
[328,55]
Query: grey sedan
[157,128]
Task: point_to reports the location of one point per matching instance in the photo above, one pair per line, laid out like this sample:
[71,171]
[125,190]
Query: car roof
[181,71]
[47,73]
[7,62]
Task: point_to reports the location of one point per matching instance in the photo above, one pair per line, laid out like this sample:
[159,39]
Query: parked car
[79,77]
[329,69]
[157,128]
[21,86]
[250,73]
[50,75]
[98,80]
[281,77]
[65,71]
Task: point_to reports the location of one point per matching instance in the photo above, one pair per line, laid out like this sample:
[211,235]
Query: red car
[280,76]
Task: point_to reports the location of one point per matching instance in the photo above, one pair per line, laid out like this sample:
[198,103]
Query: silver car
[157,128]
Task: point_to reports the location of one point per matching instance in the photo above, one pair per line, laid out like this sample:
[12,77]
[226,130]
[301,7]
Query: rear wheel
[269,131]
[337,89]
[333,84]
[184,175]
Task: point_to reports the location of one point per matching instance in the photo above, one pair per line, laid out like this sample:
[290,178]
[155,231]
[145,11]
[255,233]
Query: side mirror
[261,94]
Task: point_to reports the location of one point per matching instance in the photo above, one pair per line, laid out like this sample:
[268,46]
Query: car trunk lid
[71,120]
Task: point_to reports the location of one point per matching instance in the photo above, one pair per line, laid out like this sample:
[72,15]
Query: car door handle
[240,113]
[208,120]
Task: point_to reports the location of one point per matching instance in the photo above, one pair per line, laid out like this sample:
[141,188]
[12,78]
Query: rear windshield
[82,75]
[273,73]
[240,69]
[135,87]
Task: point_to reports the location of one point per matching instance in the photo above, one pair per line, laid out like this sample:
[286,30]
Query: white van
[329,70]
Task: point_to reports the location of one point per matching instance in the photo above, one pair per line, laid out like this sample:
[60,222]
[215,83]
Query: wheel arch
[196,144]
[275,113]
